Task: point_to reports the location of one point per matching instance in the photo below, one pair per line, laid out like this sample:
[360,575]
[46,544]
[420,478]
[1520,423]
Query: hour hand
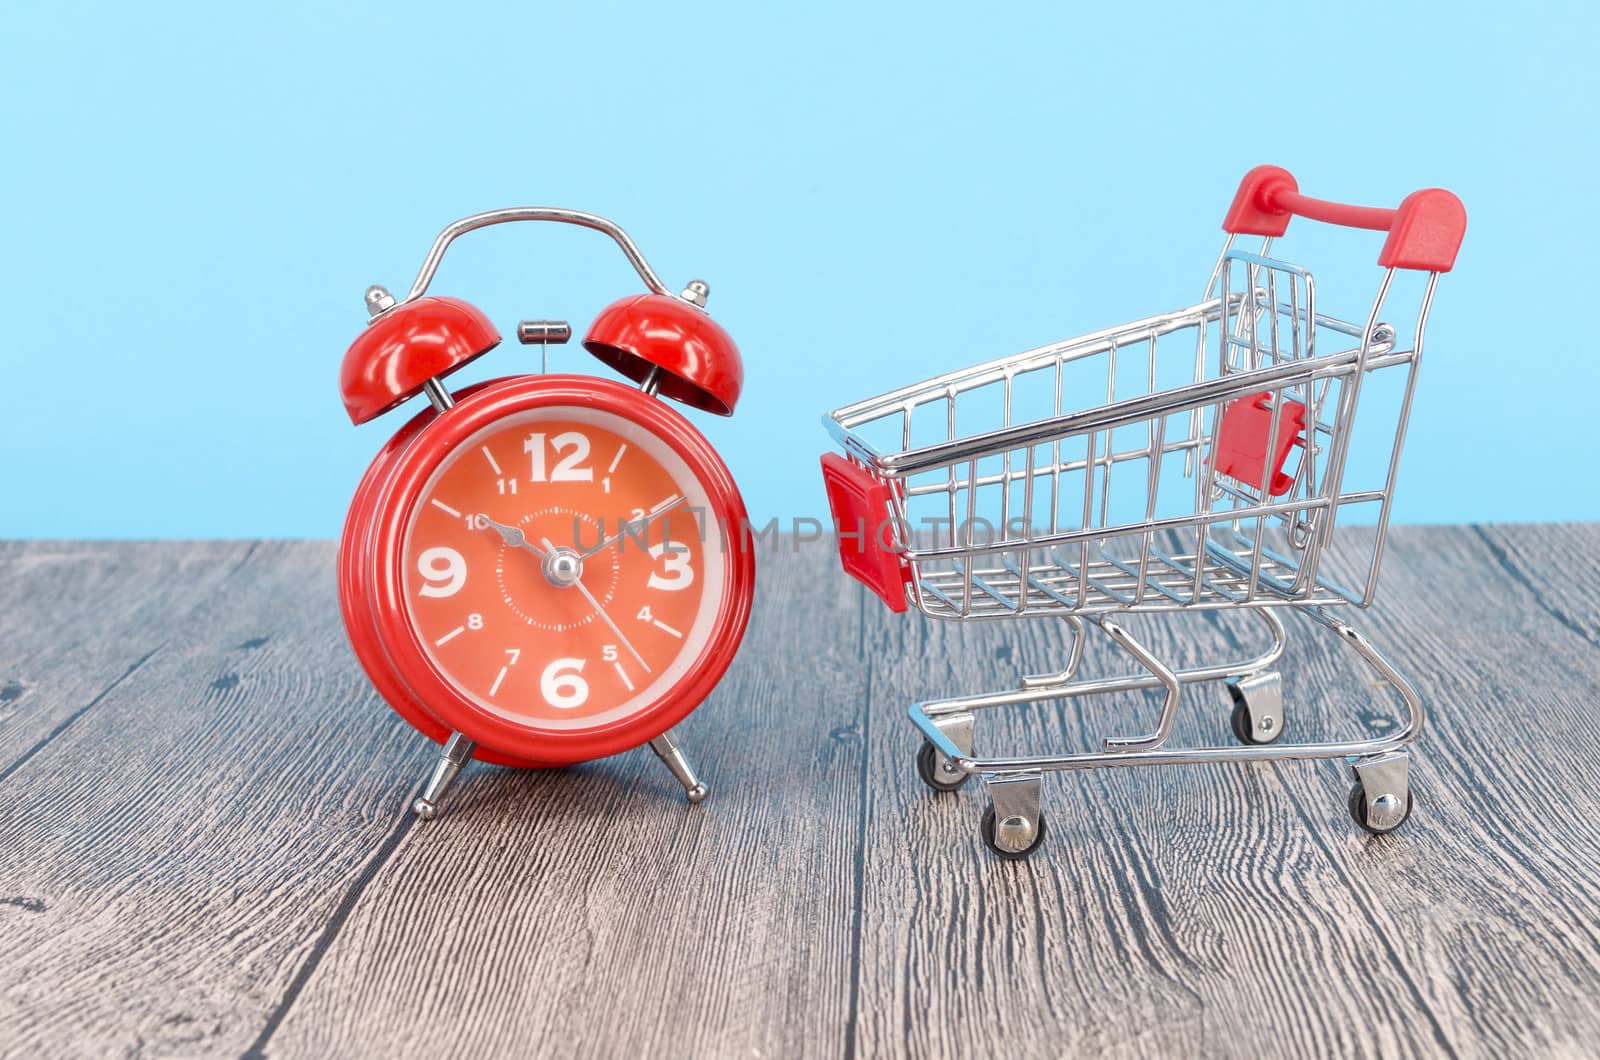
[511,535]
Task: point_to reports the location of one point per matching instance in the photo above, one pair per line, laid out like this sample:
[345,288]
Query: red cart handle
[1425,230]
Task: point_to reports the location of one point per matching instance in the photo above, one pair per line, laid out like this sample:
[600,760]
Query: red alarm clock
[544,569]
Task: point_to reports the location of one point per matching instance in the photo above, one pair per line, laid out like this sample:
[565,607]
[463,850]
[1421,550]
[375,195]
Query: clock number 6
[572,448]
[562,686]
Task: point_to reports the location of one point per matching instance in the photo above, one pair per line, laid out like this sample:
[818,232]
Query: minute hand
[655,513]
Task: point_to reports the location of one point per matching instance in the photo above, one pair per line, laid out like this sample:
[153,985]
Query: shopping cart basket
[1243,407]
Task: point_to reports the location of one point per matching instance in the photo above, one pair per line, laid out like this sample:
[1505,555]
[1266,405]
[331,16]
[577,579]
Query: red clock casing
[372,573]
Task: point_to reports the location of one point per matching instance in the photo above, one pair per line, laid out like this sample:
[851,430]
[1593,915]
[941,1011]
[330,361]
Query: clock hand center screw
[562,567]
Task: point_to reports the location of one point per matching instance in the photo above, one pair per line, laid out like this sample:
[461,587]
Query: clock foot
[671,754]
[457,751]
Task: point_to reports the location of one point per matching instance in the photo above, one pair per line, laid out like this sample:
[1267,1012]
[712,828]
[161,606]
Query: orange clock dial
[561,569]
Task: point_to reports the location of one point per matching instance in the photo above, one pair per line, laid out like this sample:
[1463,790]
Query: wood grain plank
[1212,909]
[173,857]
[215,857]
[590,912]
[1555,563]
[77,618]
[1493,904]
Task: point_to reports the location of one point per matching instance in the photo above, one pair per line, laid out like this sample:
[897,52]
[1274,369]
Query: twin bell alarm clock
[545,568]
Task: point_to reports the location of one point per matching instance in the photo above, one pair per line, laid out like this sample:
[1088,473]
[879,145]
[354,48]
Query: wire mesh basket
[1197,459]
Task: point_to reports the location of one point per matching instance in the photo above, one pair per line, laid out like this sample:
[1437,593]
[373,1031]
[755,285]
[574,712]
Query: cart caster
[1384,808]
[1380,799]
[1257,708]
[1013,825]
[937,771]
[987,829]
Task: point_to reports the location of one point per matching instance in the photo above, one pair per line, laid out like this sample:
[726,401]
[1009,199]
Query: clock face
[561,568]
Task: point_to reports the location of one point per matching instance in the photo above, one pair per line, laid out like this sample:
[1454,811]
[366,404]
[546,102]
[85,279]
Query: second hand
[587,595]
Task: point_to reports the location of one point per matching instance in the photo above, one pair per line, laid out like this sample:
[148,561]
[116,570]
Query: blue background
[196,197]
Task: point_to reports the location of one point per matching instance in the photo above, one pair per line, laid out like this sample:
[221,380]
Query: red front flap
[1242,440]
[862,507]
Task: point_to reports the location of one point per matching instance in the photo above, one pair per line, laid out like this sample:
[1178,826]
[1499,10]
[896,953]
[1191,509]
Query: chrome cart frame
[1250,397]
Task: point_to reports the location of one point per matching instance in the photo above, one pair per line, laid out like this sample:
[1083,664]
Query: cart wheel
[1257,717]
[936,771]
[1358,811]
[1243,731]
[986,829]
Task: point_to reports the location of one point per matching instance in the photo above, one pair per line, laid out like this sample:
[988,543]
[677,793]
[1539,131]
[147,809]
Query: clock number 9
[444,570]
[561,686]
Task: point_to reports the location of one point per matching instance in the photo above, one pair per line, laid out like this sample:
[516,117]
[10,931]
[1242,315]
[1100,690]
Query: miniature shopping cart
[1191,461]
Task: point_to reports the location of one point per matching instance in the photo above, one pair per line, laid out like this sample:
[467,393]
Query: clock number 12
[572,449]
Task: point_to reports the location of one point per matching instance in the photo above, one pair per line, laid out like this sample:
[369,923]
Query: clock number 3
[572,449]
[675,572]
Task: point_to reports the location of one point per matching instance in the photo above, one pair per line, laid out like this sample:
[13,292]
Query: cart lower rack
[1196,460]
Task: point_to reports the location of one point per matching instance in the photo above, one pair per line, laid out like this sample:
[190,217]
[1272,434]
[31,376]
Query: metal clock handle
[533,213]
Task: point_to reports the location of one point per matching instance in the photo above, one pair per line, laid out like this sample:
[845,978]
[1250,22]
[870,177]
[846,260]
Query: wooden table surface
[205,847]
